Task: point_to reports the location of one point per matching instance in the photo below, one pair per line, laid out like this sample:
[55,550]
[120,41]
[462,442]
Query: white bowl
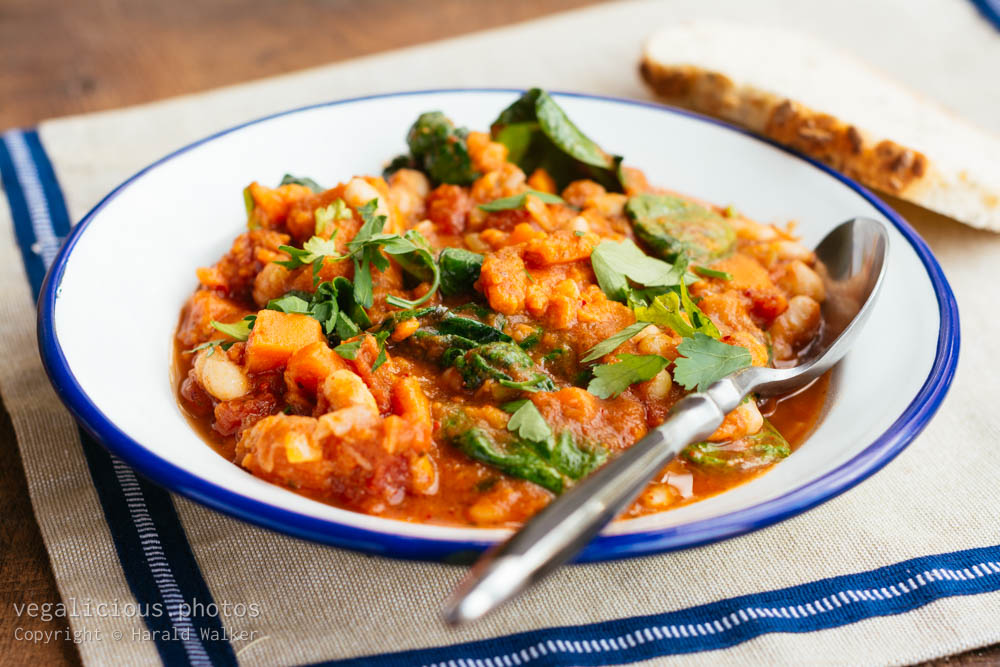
[109,307]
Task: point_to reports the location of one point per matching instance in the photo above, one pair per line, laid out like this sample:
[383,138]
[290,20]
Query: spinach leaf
[672,227]
[761,449]
[519,460]
[538,133]
[471,329]
[501,361]
[288,179]
[532,339]
[459,270]
[439,148]
[573,460]
[552,462]
[405,161]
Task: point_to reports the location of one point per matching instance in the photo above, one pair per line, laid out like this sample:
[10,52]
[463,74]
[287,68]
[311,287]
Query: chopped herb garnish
[610,380]
[529,423]
[312,252]
[238,330]
[326,218]
[518,201]
[610,344]
[290,303]
[615,263]
[349,350]
[706,360]
[712,273]
[669,309]
[380,358]
[512,406]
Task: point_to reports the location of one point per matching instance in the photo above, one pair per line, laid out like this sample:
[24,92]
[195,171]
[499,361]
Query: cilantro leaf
[512,406]
[669,309]
[706,360]
[612,379]
[381,357]
[345,327]
[349,350]
[238,330]
[211,345]
[614,262]
[529,423]
[290,303]
[413,253]
[312,252]
[327,217]
[517,201]
[609,345]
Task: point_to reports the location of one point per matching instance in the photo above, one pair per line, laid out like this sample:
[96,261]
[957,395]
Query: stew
[494,317]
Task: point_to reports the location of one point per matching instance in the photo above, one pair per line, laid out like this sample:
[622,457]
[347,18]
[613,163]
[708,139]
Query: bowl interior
[133,267]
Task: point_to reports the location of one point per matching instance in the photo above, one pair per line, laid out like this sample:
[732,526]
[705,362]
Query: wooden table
[61,58]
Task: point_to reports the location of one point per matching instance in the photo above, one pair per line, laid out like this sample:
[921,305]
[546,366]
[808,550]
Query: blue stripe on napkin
[990,9]
[816,605]
[155,556]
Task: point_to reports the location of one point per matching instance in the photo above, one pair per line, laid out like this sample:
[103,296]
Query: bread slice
[806,95]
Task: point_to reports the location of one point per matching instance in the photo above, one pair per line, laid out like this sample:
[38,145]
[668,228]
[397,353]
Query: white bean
[343,388]
[219,375]
[799,279]
[795,327]
[359,192]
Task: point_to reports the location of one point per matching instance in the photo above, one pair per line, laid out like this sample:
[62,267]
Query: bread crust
[882,164]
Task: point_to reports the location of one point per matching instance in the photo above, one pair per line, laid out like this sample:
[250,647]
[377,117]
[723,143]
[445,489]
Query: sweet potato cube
[276,337]
[310,365]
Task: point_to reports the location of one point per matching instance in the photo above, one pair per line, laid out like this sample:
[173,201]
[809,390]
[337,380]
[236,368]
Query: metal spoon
[852,261]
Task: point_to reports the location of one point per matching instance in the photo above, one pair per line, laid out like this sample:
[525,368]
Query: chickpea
[655,342]
[659,496]
[658,388]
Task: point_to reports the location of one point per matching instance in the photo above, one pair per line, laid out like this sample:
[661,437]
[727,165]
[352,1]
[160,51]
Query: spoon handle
[570,521]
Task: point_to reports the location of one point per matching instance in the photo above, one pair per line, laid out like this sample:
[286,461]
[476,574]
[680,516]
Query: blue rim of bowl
[605,547]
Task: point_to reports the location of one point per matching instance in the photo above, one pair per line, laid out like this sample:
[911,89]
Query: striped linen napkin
[903,568]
